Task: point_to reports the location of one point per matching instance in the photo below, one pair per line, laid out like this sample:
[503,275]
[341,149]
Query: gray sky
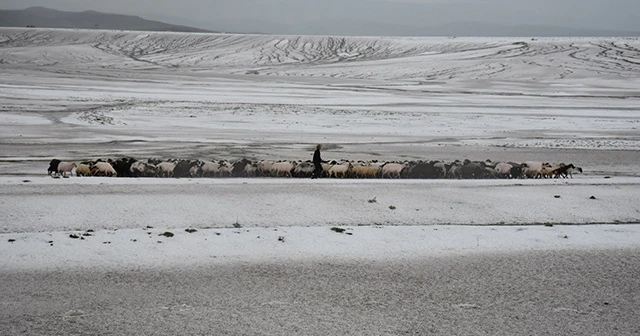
[275,16]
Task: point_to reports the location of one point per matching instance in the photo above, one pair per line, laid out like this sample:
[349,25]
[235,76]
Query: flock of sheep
[130,167]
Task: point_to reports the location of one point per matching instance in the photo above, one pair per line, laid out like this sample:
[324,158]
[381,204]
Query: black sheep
[562,170]
[123,166]
[53,166]
[471,170]
[183,168]
[516,172]
[424,170]
[238,168]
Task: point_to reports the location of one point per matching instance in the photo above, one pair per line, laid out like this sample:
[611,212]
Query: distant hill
[253,22]
[51,18]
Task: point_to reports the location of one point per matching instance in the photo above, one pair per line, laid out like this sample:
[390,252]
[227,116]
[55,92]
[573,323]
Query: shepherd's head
[318,146]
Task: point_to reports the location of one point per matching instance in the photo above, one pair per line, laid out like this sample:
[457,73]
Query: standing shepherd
[317,161]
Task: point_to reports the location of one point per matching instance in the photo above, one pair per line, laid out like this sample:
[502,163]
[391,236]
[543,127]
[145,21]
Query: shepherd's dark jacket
[316,157]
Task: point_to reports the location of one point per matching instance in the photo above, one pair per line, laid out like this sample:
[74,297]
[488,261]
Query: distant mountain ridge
[51,18]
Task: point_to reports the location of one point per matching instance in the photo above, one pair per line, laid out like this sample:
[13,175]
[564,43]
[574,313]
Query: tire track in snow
[446,58]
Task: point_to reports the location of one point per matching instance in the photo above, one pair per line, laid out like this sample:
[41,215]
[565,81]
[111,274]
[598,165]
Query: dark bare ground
[527,293]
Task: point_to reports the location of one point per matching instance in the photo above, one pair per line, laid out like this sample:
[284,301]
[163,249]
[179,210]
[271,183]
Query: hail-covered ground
[291,256]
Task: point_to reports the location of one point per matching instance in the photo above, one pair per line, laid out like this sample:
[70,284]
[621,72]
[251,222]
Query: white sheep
[391,169]
[455,171]
[251,170]
[65,167]
[103,169]
[165,169]
[139,169]
[549,168]
[325,168]
[503,169]
[360,169]
[532,169]
[373,171]
[194,170]
[83,169]
[340,169]
[210,169]
[304,169]
[264,167]
[226,168]
[283,168]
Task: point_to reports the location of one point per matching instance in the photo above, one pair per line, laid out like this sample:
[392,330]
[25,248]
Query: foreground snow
[46,204]
[132,248]
[120,222]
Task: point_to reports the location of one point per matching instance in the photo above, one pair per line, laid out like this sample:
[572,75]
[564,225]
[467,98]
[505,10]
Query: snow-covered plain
[494,257]
[98,93]
[266,220]
[77,94]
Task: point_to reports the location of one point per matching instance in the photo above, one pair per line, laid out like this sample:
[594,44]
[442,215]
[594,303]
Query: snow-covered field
[76,94]
[283,219]
[87,94]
